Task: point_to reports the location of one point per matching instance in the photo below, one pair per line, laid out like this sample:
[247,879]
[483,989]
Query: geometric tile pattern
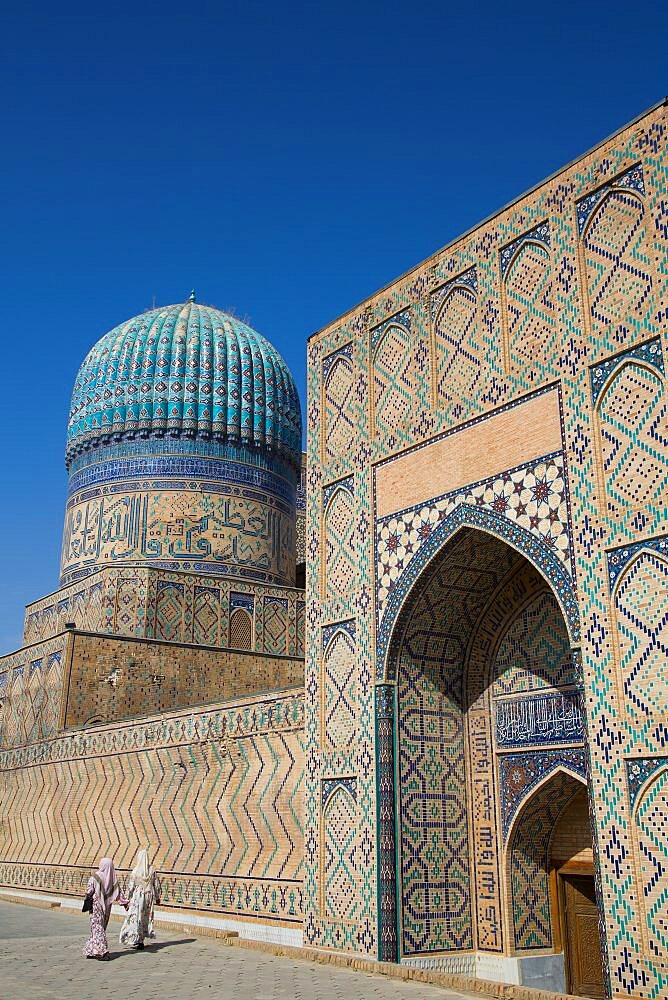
[241,629]
[638,772]
[519,773]
[340,684]
[169,609]
[476,600]
[31,689]
[647,354]
[533,497]
[148,602]
[457,351]
[206,616]
[642,619]
[529,307]
[341,859]
[276,624]
[435,893]
[539,235]
[387,855]
[185,368]
[329,786]
[214,791]
[339,546]
[651,813]
[529,862]
[633,427]
[618,559]
[356,759]
[338,401]
[300,626]
[393,380]
[428,658]
[608,256]
[617,261]
[534,653]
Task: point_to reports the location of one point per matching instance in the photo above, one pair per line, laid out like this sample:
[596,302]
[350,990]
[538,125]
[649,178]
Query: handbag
[87,904]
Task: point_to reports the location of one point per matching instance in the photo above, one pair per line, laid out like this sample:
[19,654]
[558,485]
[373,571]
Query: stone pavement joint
[41,958]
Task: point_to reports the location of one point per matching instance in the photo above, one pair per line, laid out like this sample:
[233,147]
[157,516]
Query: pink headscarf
[107,888]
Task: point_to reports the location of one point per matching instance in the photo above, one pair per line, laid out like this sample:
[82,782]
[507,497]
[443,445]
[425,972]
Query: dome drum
[184,445]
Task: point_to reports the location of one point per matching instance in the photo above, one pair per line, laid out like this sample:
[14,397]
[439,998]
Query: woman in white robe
[144,892]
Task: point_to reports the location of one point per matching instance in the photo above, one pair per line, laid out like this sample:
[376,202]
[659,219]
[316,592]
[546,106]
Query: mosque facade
[451,749]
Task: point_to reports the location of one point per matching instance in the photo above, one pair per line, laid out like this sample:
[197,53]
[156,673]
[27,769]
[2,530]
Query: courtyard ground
[40,958]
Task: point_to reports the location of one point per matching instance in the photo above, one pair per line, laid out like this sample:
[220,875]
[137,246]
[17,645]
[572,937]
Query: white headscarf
[142,873]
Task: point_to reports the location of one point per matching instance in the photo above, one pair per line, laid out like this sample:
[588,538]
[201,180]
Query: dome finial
[191,297]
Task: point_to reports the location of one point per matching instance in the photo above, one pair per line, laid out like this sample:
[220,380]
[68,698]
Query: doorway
[573,863]
[582,944]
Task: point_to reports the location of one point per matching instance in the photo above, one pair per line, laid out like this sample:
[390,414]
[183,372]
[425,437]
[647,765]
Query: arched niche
[481,631]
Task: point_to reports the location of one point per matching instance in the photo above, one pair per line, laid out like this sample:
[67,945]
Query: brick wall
[215,794]
[572,840]
[115,678]
[31,685]
[180,606]
[525,359]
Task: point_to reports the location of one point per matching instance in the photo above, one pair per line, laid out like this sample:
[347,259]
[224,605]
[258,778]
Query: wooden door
[582,943]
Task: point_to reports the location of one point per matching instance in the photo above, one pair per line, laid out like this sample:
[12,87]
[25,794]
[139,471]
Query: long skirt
[138,924]
[97,945]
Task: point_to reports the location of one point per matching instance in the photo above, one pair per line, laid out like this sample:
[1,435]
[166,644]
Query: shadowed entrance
[487,708]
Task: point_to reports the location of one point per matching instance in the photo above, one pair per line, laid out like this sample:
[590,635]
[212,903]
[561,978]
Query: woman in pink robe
[105,890]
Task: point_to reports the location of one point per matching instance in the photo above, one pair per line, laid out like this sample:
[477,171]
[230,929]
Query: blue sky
[286,160]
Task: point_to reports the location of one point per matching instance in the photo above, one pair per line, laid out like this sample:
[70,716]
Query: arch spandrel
[464,518]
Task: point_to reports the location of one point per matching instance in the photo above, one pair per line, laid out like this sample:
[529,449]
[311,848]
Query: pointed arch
[339,684]
[528,860]
[632,441]
[339,410]
[528,310]
[617,268]
[393,382]
[534,652]
[241,629]
[275,614]
[641,612]
[443,653]
[457,350]
[535,794]
[206,616]
[652,864]
[339,547]
[341,858]
[169,610]
[464,517]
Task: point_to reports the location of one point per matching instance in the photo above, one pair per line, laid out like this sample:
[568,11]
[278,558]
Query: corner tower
[183,450]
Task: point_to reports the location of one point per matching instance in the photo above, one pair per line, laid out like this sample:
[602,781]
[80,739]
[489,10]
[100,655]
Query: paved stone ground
[40,958]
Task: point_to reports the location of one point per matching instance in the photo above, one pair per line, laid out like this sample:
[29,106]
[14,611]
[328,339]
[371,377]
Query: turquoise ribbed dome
[185,370]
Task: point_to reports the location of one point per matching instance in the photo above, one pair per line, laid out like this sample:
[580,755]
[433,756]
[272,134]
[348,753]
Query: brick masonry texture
[511,388]
[183,607]
[112,678]
[216,793]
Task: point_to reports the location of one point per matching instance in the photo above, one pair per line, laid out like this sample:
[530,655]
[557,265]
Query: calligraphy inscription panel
[180,529]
